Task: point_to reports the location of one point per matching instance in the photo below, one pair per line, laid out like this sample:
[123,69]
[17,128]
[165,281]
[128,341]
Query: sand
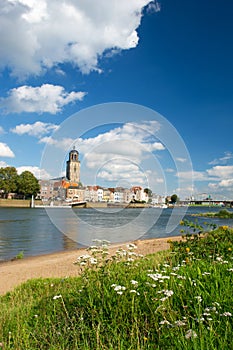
[61,264]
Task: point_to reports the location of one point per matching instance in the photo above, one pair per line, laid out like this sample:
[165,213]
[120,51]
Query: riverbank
[61,264]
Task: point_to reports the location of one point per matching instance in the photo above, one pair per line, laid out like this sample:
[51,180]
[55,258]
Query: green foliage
[20,255]
[149,193]
[28,184]
[221,214]
[8,179]
[25,183]
[174,198]
[181,299]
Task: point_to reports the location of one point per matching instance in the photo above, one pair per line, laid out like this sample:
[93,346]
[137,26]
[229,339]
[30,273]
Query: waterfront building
[74,193]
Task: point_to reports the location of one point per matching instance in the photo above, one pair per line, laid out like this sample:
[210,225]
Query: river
[32,231]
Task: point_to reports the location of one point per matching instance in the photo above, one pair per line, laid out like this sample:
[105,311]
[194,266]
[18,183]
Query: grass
[221,214]
[180,299]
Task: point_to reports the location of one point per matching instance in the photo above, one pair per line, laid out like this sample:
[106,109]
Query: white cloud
[5,151]
[221,171]
[170,170]
[36,171]
[130,140]
[2,131]
[45,98]
[181,160]
[3,164]
[37,129]
[39,34]
[195,175]
[120,170]
[222,160]
[226,183]
[117,153]
[154,7]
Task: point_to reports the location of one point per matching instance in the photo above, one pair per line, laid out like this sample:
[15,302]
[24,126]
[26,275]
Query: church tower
[73,167]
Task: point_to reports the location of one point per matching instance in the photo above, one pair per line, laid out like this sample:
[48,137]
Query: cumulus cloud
[36,35]
[221,171]
[5,151]
[41,99]
[36,171]
[195,175]
[117,153]
[3,164]
[121,170]
[37,129]
[154,6]
[218,178]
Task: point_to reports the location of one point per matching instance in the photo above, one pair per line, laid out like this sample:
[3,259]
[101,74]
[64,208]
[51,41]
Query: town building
[69,188]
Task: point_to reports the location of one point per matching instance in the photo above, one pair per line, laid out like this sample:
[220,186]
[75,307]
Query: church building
[73,167]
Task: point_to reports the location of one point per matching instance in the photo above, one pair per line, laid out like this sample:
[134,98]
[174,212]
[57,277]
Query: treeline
[25,184]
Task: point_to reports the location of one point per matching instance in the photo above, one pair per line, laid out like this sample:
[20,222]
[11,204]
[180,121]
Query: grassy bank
[221,214]
[181,299]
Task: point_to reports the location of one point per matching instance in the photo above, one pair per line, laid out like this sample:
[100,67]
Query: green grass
[180,299]
[221,214]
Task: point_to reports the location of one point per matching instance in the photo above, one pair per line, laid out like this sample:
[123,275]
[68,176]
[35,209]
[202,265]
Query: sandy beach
[61,264]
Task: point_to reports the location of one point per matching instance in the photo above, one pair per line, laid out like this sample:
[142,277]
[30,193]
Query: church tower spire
[73,166]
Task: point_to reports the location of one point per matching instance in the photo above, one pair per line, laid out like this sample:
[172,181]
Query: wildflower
[199,298]
[134,291]
[119,289]
[187,250]
[163,299]
[164,322]
[190,334]
[181,277]
[180,323]
[230,270]
[205,273]
[157,276]
[93,261]
[229,249]
[226,314]
[57,297]
[35,316]
[219,258]
[166,265]
[168,293]
[134,282]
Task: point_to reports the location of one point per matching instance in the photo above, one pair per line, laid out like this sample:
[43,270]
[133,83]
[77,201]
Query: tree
[174,198]
[149,193]
[28,184]
[8,180]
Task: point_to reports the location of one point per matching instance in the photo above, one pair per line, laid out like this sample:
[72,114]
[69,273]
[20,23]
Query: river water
[38,231]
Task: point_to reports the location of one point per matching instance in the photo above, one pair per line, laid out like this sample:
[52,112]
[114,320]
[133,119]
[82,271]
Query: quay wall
[17,203]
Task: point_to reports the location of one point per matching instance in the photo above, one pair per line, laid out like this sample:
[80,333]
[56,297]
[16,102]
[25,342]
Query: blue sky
[172,57]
